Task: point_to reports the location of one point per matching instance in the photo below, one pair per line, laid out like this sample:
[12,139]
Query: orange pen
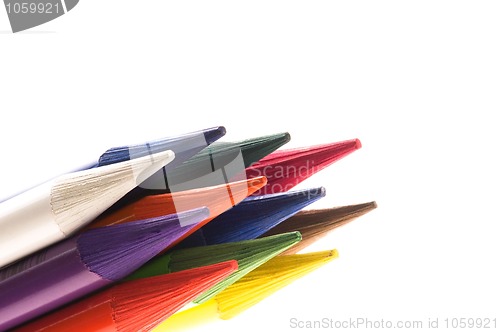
[217,199]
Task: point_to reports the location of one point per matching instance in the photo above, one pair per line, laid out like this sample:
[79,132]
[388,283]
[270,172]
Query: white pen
[56,209]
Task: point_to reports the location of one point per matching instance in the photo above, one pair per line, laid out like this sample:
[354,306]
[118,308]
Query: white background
[417,82]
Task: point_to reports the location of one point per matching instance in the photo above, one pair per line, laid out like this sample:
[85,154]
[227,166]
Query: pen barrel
[27,224]
[43,282]
[92,314]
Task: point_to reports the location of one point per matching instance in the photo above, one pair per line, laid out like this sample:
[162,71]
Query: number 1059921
[33,8]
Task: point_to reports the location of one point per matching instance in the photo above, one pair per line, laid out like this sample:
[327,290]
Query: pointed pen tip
[286,137]
[358,144]
[213,134]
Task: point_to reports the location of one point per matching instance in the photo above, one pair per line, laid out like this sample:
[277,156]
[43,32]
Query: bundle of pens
[159,235]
